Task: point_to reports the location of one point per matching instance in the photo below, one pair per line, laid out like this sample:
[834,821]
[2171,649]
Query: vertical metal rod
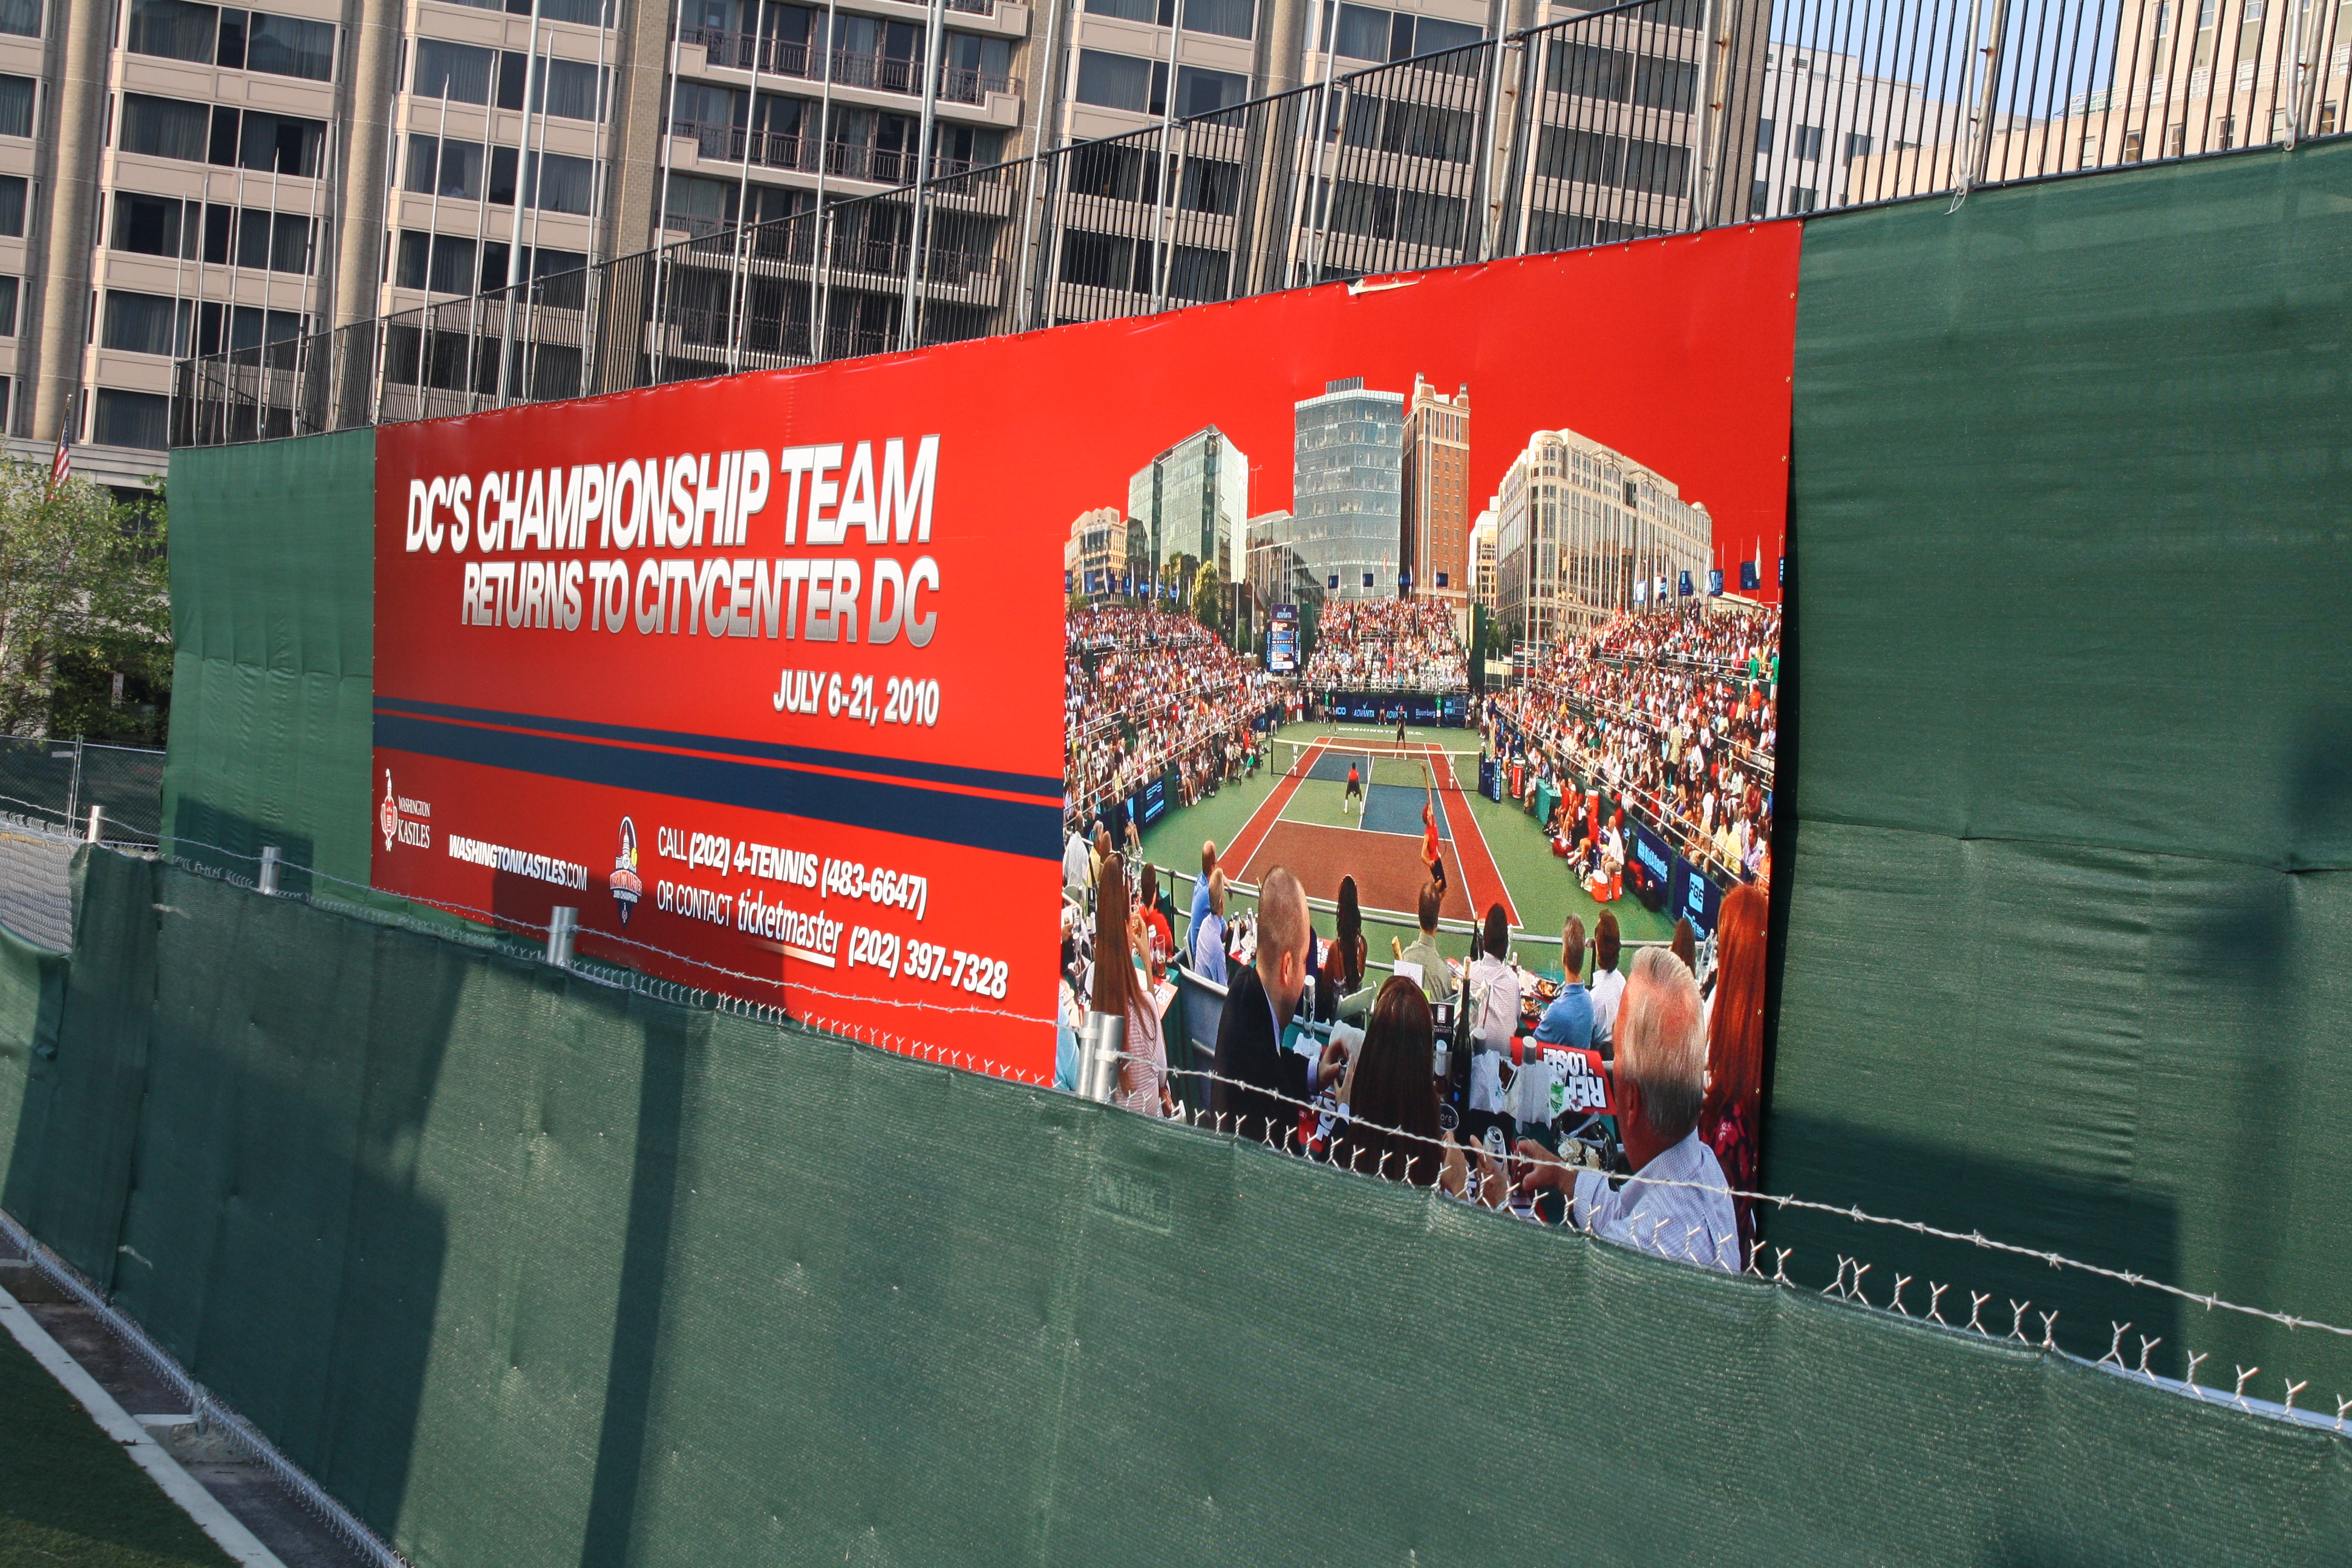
[526,190]
[739,291]
[658,258]
[819,274]
[1163,209]
[97,826]
[1025,317]
[1487,202]
[271,861]
[73,784]
[910,327]
[1711,75]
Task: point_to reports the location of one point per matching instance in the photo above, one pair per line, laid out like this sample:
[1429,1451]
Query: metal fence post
[270,861]
[97,824]
[563,922]
[73,788]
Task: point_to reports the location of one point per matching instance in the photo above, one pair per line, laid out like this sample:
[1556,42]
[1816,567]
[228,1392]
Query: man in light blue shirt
[1569,1020]
[1209,932]
[1676,1202]
[1201,892]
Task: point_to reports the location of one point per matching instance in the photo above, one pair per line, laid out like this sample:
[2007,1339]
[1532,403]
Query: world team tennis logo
[626,885]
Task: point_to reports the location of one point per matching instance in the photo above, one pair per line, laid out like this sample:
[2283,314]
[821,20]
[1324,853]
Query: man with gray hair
[1676,1203]
[1261,1074]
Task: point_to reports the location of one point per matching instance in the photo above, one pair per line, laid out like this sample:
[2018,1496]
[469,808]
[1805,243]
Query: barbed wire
[1847,1285]
[2210,1301]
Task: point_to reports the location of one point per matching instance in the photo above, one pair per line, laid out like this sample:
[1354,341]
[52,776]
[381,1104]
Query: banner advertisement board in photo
[770,677]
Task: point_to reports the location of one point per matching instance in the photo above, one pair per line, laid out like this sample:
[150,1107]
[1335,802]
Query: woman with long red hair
[1728,1119]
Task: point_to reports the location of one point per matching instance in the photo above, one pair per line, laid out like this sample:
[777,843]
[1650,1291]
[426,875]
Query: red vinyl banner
[764,675]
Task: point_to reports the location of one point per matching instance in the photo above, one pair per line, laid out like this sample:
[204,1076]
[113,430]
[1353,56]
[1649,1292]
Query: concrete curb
[182,1489]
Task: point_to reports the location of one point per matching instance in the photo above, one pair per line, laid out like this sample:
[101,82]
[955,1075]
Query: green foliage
[84,595]
[1209,597]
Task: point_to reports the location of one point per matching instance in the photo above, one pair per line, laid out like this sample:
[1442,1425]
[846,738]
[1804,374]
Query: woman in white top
[1492,985]
[1120,988]
[1608,984]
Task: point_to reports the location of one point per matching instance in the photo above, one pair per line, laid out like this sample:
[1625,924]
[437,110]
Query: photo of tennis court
[1342,805]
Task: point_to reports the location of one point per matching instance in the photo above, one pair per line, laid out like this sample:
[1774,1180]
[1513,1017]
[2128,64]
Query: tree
[84,596]
[1209,597]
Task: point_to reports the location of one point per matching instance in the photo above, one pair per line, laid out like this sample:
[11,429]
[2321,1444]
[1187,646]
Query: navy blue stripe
[1014,828]
[899,767]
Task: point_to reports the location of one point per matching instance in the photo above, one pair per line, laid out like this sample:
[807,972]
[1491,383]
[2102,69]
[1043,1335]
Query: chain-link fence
[48,791]
[1631,120]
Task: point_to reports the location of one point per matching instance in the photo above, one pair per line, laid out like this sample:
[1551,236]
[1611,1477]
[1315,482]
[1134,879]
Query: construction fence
[528,1270]
[1631,120]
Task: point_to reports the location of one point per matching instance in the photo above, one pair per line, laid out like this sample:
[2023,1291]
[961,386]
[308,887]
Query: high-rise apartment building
[178,176]
[1436,493]
[1583,533]
[1194,500]
[1347,474]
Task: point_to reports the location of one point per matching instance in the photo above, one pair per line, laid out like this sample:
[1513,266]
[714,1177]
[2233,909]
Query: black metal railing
[1629,119]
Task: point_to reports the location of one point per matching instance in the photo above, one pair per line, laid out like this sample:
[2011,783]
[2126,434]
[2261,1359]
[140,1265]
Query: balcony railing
[789,150]
[850,68]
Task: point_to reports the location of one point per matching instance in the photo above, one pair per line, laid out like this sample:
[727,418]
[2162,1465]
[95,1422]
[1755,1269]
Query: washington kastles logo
[626,885]
[387,816]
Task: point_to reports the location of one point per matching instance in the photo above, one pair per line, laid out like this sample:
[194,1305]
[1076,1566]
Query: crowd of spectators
[1387,645]
[1676,714]
[1147,690]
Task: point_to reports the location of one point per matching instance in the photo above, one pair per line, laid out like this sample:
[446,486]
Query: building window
[14,189]
[284,45]
[1200,91]
[1763,136]
[1801,199]
[7,307]
[15,106]
[1116,81]
[2176,141]
[2205,9]
[266,143]
[133,419]
[558,183]
[456,169]
[2327,121]
[462,73]
[2163,17]
[1161,12]
[1226,19]
[1857,145]
[165,128]
[22,18]
[569,90]
[446,264]
[1808,147]
[242,40]
[174,30]
[2226,134]
[145,324]
[2131,146]
[1760,197]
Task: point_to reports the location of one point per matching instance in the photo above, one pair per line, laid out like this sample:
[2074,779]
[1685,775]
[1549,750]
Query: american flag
[61,466]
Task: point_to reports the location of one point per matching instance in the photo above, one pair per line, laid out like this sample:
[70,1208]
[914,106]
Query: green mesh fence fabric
[2072,736]
[273,622]
[533,1272]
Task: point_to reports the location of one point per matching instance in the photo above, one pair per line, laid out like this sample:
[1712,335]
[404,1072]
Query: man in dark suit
[1252,1068]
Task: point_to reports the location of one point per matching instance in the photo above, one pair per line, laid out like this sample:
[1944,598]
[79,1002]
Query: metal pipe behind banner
[1104,1038]
[271,860]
